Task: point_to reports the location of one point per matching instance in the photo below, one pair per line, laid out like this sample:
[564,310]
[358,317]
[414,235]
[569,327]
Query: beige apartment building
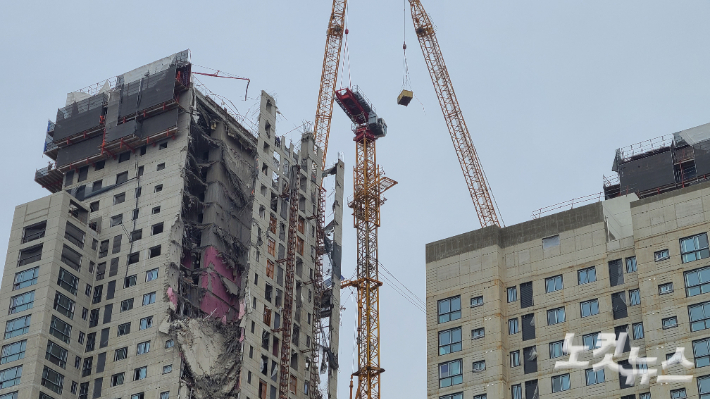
[501,301]
[156,268]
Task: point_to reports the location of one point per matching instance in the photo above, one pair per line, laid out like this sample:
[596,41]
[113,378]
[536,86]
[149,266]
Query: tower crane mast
[468,158]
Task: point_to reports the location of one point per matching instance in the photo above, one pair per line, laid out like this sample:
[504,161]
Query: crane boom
[468,158]
[329,77]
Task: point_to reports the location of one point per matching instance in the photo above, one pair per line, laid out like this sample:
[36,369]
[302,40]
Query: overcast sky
[549,90]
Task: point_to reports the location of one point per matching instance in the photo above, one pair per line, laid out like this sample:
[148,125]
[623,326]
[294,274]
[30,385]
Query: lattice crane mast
[468,158]
[369,185]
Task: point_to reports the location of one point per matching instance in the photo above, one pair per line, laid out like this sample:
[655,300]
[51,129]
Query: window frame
[562,378]
[451,345]
[451,314]
[591,307]
[554,280]
[663,322]
[697,252]
[556,313]
[586,273]
[455,379]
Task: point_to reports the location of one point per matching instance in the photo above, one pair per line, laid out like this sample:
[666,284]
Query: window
[555,316]
[136,235]
[697,281]
[87,290]
[117,379]
[119,198]
[699,315]
[18,326]
[678,393]
[121,178]
[481,396]
[99,165]
[71,258]
[133,258]
[513,327]
[55,354]
[103,249]
[120,354]
[669,322]
[631,264]
[126,304]
[166,395]
[591,341]
[450,373]
[526,295]
[666,288]
[516,391]
[68,281]
[449,341]
[512,294]
[694,248]
[271,247]
[98,291]
[634,297]
[479,366]
[34,232]
[550,242]
[449,309]
[169,344]
[146,322]
[618,304]
[701,351]
[124,329]
[124,156]
[148,298]
[29,255]
[556,349]
[10,377]
[94,206]
[588,275]
[25,278]
[155,210]
[81,337]
[703,387]
[74,235]
[637,330]
[161,166]
[52,380]
[553,284]
[116,220]
[143,347]
[138,396]
[478,333]
[60,329]
[157,228]
[155,251]
[19,303]
[163,145]
[13,351]
[594,377]
[86,368]
[514,358]
[589,308]
[560,383]
[167,369]
[616,273]
[140,373]
[476,301]
[129,281]
[158,188]
[661,255]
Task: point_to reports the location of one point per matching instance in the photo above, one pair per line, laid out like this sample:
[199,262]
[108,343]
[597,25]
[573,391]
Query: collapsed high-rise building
[159,267]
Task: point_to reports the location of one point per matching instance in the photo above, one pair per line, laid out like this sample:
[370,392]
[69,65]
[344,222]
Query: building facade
[502,301]
[156,267]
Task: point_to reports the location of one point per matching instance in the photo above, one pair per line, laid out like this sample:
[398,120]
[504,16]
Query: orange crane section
[468,158]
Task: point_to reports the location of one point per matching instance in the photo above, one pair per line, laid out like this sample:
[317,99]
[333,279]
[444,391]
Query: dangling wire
[347,51]
[406,83]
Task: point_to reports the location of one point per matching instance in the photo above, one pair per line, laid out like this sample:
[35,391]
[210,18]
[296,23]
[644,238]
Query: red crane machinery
[369,185]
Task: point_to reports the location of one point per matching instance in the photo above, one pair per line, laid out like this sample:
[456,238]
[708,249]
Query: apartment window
[449,341]
[167,369]
[52,380]
[25,278]
[136,235]
[74,235]
[123,157]
[481,396]
[618,304]
[10,377]
[116,220]
[479,366]
[138,396]
[616,273]
[135,211]
[550,242]
[450,373]
[143,347]
[129,281]
[678,393]
[701,351]
[666,288]
[117,379]
[81,338]
[621,334]
[120,354]
[103,248]
[18,326]
[157,228]
[594,377]
[526,295]
[126,304]
[271,247]
[60,329]
[553,284]
[478,333]
[99,165]
[34,232]
[55,354]
[87,290]
[166,395]
[669,322]
[637,330]
[516,391]
[13,351]
[530,360]
[94,206]
[163,145]
[589,308]
[86,368]
[699,315]
[476,301]
[514,358]
[155,251]
[148,298]
[155,210]
[586,276]
[68,281]
[146,322]
[71,258]
[19,303]
[661,255]
[133,258]
[560,383]
[697,281]
[634,297]
[449,309]
[161,166]
[158,188]
[513,327]
[703,387]
[512,294]
[121,178]
[119,198]
[556,349]
[140,373]
[29,255]
[694,248]
[124,329]
[98,291]
[528,322]
[555,316]
[169,344]
[631,264]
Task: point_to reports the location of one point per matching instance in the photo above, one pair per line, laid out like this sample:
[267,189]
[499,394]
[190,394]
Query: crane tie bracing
[468,158]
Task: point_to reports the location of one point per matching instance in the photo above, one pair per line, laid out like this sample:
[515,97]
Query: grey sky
[549,90]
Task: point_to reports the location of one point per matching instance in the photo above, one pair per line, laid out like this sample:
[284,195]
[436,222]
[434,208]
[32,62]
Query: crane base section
[405,97]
